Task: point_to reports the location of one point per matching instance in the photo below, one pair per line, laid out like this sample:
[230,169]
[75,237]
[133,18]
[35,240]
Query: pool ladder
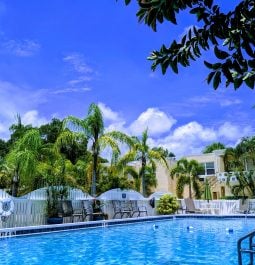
[250,250]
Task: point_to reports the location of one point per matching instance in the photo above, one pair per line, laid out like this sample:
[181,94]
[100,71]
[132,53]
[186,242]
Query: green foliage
[54,195]
[167,204]
[246,184]
[148,157]
[4,148]
[214,146]
[50,131]
[18,130]
[231,34]
[236,158]
[92,128]
[187,173]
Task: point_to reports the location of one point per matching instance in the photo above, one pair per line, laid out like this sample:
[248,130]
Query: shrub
[167,204]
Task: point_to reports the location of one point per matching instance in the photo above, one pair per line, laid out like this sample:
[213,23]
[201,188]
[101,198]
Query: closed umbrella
[207,191]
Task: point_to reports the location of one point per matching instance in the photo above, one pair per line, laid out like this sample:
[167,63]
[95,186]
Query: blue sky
[56,57]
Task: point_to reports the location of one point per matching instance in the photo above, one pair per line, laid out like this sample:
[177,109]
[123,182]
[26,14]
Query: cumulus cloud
[17,100]
[155,120]
[22,48]
[32,117]
[233,132]
[108,113]
[185,139]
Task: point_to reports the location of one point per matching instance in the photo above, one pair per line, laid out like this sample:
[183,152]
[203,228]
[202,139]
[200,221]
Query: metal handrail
[250,250]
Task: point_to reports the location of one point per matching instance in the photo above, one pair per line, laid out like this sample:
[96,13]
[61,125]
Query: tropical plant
[246,184]
[167,204]
[187,174]
[148,158]
[240,157]
[23,159]
[234,31]
[93,129]
[214,146]
[54,195]
[18,130]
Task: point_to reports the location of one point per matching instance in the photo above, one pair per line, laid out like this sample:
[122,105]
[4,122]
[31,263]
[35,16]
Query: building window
[208,169]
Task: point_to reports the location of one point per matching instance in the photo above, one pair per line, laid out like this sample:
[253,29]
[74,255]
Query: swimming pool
[208,241]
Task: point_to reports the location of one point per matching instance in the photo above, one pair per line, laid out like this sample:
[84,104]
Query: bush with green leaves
[167,204]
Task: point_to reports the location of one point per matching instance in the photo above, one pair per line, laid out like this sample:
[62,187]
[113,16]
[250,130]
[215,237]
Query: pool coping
[41,229]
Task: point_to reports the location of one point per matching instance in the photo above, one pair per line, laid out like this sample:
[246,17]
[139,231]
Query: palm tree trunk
[15,185]
[143,176]
[94,169]
[190,190]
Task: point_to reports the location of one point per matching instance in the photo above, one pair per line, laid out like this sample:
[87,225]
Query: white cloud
[155,120]
[194,130]
[189,138]
[32,117]
[83,71]
[17,100]
[220,99]
[79,64]
[22,48]
[108,113]
[230,102]
[233,132]
[71,90]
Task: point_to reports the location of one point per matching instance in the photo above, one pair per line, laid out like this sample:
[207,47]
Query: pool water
[207,241]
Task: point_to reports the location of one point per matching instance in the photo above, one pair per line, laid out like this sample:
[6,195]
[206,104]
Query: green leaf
[216,80]
[220,54]
[208,65]
[174,67]
[195,10]
[237,83]
[250,82]
[216,66]
[209,77]
[127,2]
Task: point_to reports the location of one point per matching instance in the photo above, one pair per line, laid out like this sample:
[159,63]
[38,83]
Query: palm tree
[245,186]
[23,159]
[148,158]
[187,174]
[92,127]
[237,159]
[214,146]
[233,159]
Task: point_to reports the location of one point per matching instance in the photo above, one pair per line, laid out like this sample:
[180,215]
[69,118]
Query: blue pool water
[208,242]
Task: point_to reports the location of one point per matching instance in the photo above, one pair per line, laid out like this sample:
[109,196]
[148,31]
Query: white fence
[31,211]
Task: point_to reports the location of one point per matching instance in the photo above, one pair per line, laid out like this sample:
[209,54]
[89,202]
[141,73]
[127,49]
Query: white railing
[222,207]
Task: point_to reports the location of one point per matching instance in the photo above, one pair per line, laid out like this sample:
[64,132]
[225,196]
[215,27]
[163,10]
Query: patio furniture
[121,208]
[66,210]
[190,206]
[137,209]
[181,207]
[90,212]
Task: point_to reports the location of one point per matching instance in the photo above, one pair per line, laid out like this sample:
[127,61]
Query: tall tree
[148,158]
[245,186]
[23,159]
[242,156]
[51,131]
[92,127]
[214,146]
[187,174]
[18,130]
[231,34]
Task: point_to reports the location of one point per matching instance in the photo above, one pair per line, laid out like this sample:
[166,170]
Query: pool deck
[32,230]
